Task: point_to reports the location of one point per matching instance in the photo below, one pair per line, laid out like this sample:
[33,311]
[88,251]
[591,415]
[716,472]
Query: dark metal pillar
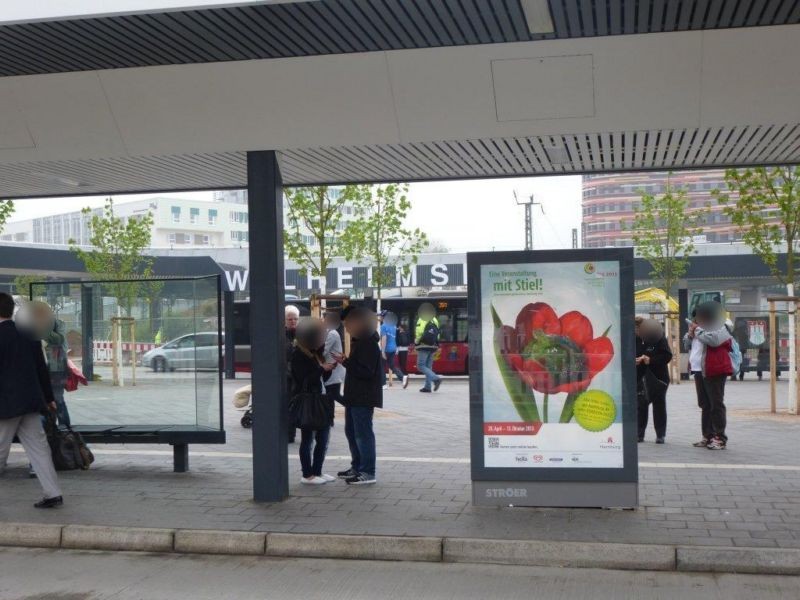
[180,458]
[230,333]
[87,331]
[267,341]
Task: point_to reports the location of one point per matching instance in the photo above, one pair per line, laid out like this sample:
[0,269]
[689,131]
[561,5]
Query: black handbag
[67,447]
[308,409]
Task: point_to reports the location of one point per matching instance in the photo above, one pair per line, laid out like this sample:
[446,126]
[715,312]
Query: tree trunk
[792,397]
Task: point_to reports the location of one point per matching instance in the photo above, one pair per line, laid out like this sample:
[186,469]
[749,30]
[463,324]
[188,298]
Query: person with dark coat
[25,394]
[292,317]
[363,393]
[307,372]
[653,356]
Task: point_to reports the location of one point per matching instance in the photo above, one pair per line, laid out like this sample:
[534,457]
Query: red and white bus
[451,359]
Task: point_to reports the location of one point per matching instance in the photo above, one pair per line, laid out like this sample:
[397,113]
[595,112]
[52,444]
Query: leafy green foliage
[6,210]
[663,228]
[380,236]
[764,203]
[319,211]
[22,283]
[117,252]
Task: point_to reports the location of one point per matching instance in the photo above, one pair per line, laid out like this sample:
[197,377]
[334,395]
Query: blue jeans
[308,437]
[392,365]
[425,366]
[360,438]
[62,414]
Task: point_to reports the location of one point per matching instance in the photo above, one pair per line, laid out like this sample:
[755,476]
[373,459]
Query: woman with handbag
[310,409]
[652,359]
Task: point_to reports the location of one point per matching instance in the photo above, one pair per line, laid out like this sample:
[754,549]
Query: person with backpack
[652,360]
[736,352]
[709,344]
[25,394]
[426,343]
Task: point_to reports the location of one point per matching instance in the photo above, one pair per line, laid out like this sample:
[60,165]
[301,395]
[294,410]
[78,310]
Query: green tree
[318,212]
[117,252]
[764,203]
[22,283]
[381,236]
[663,227]
[6,210]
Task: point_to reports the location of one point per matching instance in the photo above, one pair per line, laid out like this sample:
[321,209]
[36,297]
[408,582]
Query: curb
[638,557]
[360,547]
[535,553]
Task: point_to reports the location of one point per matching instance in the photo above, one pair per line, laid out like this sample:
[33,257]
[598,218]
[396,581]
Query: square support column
[229,365]
[267,331]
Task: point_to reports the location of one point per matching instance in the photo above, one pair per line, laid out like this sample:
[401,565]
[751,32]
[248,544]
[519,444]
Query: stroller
[243,399]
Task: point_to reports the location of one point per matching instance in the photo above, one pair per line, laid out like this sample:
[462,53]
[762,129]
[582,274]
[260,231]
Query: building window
[176,214]
[212,216]
[240,236]
[238,217]
[194,215]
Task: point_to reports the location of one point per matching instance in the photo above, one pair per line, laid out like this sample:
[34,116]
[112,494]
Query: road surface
[27,574]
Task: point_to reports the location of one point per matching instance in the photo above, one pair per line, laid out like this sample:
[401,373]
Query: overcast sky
[461,215]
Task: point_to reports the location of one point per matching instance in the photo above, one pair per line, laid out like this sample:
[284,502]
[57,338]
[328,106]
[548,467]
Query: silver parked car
[193,351]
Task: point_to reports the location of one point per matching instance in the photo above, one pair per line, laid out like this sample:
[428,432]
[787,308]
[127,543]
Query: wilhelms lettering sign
[349,277]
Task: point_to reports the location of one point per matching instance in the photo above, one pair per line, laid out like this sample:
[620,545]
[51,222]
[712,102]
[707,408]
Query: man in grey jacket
[710,370]
[333,346]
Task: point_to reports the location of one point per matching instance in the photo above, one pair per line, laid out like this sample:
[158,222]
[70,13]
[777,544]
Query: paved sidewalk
[748,495]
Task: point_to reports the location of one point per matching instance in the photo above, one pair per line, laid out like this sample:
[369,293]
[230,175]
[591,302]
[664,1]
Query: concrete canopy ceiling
[693,98]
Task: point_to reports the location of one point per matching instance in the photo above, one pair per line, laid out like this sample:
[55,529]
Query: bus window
[462,325]
[446,327]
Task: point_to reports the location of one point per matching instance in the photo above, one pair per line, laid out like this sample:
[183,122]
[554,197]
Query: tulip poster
[551,365]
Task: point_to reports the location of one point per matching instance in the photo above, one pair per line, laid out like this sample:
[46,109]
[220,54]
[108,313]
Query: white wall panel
[752,77]
[66,115]
[283,103]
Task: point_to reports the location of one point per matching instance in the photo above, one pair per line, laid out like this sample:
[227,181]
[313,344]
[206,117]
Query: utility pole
[574,238]
[528,203]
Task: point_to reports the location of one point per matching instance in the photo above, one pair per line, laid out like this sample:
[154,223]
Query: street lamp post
[528,203]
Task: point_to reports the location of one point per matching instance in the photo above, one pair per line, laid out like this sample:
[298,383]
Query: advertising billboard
[552,370]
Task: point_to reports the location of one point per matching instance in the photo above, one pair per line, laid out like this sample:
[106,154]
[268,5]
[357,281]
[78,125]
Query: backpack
[736,356]
[430,335]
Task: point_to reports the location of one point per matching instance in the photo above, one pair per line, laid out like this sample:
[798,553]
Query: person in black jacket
[652,359]
[307,371]
[363,393]
[292,317]
[25,393]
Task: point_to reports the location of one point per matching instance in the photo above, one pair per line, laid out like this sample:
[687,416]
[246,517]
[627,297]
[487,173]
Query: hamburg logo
[589,268]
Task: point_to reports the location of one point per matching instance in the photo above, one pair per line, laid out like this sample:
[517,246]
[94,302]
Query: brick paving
[748,495]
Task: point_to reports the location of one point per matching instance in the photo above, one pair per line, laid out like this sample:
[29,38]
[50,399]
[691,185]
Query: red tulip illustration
[550,354]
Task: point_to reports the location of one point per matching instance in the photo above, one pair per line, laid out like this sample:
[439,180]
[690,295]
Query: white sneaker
[405,381]
[328,478]
[313,480]
[386,387]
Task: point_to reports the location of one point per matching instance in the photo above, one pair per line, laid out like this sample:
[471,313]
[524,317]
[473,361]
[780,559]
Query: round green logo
[595,410]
